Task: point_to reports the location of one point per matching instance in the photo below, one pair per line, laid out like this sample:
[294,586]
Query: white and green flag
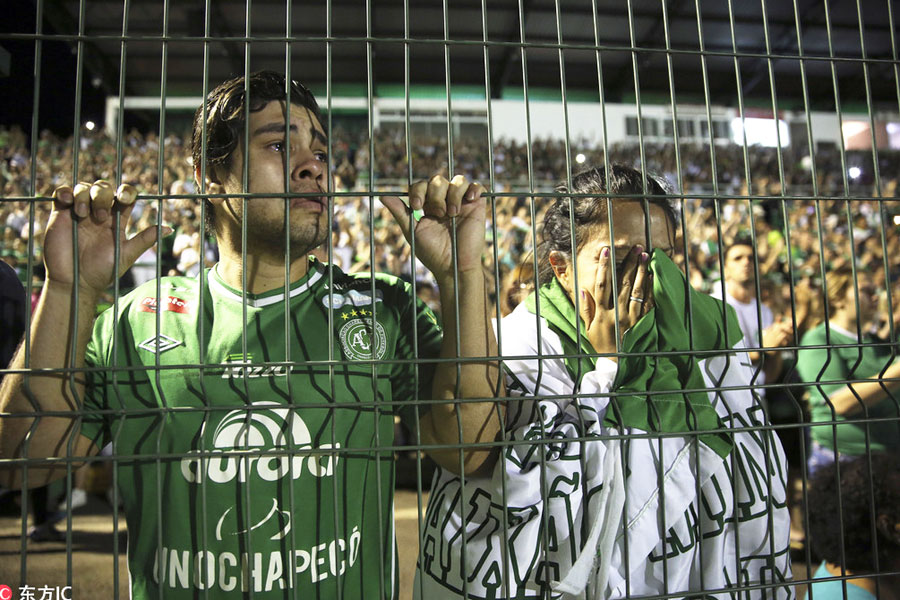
[656,475]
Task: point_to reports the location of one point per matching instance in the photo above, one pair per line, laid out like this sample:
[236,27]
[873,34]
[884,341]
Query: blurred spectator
[854,520]
[518,284]
[12,314]
[12,328]
[755,318]
[836,355]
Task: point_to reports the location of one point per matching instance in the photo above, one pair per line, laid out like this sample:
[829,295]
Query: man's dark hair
[225,119]
[857,489]
[743,239]
[590,212]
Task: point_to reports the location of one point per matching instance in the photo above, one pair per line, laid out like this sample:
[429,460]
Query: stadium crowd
[797,223]
[796,238]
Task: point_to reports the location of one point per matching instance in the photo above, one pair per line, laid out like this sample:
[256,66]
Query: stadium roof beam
[616,11]
[219,27]
[785,41]
[503,73]
[95,60]
[616,88]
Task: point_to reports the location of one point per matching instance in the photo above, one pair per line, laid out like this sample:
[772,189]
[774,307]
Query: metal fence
[275,451]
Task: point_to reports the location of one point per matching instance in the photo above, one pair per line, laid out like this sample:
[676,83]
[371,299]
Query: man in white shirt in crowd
[753,316]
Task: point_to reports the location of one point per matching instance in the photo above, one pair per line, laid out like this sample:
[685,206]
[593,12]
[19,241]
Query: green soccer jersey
[851,362]
[257,457]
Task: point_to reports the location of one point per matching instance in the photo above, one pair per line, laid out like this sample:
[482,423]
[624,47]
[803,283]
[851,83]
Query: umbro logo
[159,344]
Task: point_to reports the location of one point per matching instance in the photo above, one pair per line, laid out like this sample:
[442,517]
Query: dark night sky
[58,76]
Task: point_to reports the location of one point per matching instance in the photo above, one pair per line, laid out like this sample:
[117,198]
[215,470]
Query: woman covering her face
[635,461]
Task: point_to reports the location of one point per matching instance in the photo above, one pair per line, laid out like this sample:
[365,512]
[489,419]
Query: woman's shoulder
[822,334]
[531,349]
[523,332]
[816,335]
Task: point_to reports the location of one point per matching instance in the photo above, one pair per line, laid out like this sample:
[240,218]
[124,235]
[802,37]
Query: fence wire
[772,134]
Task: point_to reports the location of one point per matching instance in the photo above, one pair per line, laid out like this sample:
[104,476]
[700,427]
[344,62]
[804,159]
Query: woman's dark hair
[625,184]
[225,118]
[854,516]
[838,282]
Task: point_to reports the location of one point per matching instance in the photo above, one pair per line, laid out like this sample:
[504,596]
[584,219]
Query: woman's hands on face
[634,298]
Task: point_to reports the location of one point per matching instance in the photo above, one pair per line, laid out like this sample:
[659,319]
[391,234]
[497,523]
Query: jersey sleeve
[412,375]
[94,424]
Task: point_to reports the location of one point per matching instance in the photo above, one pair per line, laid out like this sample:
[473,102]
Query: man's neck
[264,273]
[845,320]
[742,292]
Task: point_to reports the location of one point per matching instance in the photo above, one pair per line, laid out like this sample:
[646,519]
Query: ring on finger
[640,300]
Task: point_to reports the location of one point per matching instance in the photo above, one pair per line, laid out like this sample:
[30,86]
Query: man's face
[739,266]
[307,172]
[869,296]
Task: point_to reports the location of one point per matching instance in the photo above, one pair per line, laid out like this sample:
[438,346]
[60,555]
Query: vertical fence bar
[804,483]
[417,433]
[685,236]
[717,199]
[288,263]
[488,100]
[35,129]
[532,190]
[376,410]
[245,291]
[203,274]
[877,192]
[160,213]
[457,350]
[595,26]
[70,374]
[846,193]
[116,341]
[651,407]
[585,527]
[753,236]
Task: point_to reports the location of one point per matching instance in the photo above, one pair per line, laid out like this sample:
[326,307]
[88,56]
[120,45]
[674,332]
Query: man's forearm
[467,334]
[855,397]
[56,320]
